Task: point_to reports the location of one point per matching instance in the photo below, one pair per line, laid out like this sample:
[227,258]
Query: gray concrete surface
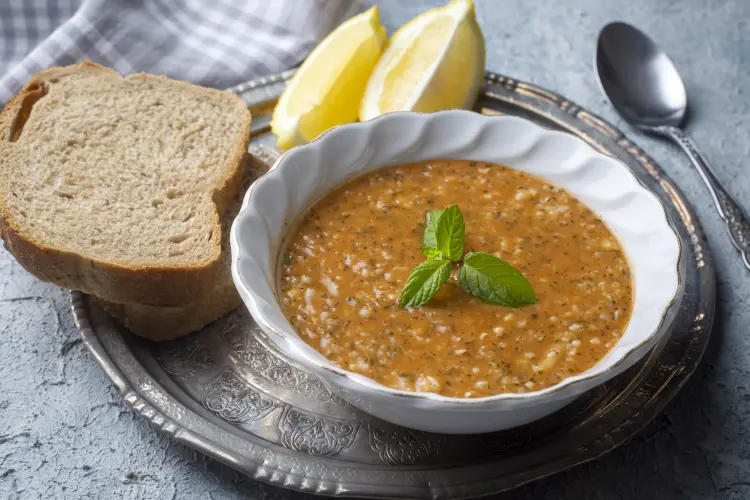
[65,434]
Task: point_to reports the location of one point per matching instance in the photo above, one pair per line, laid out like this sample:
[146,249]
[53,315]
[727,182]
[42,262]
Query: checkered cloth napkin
[214,43]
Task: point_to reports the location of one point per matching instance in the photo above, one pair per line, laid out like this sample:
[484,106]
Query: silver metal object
[645,88]
[225,393]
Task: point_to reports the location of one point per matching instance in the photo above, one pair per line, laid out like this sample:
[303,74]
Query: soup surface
[348,260]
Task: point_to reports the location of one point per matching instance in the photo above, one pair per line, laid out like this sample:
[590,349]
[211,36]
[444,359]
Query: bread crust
[159,285]
[160,324]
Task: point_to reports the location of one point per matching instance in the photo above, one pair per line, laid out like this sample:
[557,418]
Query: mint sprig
[481,275]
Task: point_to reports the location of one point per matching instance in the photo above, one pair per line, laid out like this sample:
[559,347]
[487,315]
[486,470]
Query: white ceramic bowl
[307,173]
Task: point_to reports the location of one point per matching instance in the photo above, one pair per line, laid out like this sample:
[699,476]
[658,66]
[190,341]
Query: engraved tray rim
[279,466]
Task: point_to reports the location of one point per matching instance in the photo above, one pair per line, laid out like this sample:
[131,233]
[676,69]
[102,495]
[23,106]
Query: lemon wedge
[434,62]
[327,89]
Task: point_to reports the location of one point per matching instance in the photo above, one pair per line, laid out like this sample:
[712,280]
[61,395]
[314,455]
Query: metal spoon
[644,87]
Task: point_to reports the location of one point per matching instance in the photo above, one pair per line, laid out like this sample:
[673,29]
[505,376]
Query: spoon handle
[735,219]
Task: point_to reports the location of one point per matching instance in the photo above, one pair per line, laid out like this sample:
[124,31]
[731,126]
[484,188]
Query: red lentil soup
[348,259]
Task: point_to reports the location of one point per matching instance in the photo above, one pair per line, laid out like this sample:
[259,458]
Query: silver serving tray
[225,393]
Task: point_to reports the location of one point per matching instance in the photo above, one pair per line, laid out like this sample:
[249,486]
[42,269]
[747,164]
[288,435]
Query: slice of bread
[221,297]
[116,186]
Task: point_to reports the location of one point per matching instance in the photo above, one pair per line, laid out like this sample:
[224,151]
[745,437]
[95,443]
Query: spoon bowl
[639,80]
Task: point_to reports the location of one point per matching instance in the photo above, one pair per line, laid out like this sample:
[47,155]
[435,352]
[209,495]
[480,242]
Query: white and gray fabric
[214,43]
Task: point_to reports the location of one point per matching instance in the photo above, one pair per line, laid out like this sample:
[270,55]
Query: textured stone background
[65,434]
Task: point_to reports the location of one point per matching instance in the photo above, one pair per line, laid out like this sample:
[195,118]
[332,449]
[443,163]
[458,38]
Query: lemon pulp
[327,89]
[434,62]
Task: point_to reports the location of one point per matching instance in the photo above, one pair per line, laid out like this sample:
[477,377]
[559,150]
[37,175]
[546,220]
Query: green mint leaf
[429,241]
[449,233]
[495,281]
[432,253]
[424,282]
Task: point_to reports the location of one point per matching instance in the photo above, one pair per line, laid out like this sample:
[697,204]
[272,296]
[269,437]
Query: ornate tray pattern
[225,393]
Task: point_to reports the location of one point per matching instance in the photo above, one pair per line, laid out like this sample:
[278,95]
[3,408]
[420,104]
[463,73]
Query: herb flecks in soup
[348,260]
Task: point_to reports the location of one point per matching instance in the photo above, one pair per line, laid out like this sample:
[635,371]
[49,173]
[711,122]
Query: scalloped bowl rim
[568,385]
